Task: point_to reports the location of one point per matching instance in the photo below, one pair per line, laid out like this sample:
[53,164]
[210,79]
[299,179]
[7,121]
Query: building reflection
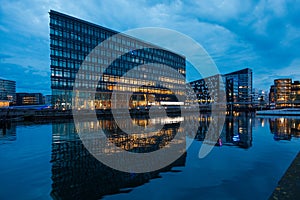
[7,131]
[237,130]
[76,174]
[284,128]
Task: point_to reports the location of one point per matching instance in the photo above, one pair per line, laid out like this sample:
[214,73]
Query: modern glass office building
[29,99]
[285,93]
[295,96]
[208,89]
[239,87]
[72,40]
[283,89]
[8,90]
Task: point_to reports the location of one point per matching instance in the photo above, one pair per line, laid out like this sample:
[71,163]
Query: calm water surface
[48,161]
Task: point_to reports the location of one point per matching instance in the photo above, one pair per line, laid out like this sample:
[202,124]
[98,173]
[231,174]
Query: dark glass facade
[8,90]
[272,95]
[295,96]
[239,86]
[7,132]
[207,90]
[237,130]
[72,40]
[29,99]
[77,174]
[232,89]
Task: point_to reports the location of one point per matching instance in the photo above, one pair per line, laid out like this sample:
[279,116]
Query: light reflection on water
[49,161]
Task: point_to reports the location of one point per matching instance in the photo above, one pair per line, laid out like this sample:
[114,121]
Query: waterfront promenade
[289,185]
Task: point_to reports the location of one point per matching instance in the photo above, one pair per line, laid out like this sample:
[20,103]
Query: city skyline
[265,41]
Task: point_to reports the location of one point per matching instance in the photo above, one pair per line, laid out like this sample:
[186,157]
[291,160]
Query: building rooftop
[110,30]
[239,71]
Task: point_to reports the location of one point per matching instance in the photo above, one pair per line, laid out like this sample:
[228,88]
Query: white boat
[285,111]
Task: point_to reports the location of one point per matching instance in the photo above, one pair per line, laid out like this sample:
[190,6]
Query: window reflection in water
[284,128]
[77,174]
[237,130]
[7,131]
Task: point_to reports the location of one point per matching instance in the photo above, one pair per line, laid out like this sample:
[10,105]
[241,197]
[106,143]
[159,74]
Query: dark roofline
[279,79]
[29,93]
[239,71]
[81,21]
[216,75]
[224,75]
[1,79]
[110,30]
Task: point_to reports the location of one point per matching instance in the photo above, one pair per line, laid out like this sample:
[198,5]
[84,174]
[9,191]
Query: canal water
[48,161]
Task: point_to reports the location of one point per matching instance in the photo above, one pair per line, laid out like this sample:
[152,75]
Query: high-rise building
[208,90]
[8,91]
[282,91]
[285,93]
[232,89]
[239,86]
[71,41]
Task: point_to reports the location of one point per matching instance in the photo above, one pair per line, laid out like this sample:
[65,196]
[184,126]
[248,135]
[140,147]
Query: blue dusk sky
[262,35]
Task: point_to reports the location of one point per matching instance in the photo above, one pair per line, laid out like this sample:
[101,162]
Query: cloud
[261,34]
[28,79]
[266,76]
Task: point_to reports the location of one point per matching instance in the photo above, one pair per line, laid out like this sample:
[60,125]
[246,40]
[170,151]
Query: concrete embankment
[31,114]
[52,114]
[289,185]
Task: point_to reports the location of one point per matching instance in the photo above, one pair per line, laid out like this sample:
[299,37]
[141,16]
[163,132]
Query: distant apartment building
[237,85]
[259,97]
[7,92]
[255,96]
[283,88]
[272,96]
[285,93]
[29,99]
[264,96]
[72,40]
[207,90]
